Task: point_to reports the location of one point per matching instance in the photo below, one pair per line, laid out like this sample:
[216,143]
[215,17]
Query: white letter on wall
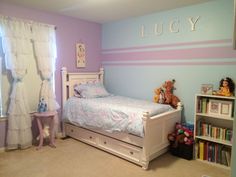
[142,31]
[172,30]
[193,23]
[157,28]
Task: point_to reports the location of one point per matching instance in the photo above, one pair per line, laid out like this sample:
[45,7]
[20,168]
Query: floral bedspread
[111,113]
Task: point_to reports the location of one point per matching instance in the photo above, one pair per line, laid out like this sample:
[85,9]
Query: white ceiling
[102,11]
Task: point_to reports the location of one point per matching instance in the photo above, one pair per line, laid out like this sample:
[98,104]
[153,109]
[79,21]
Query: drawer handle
[71,130]
[131,152]
[105,142]
[90,137]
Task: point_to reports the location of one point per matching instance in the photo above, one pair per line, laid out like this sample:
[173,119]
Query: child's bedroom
[117,88]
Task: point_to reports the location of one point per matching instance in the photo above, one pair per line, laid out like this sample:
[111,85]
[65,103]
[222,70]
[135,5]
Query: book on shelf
[213,152]
[228,157]
[201,150]
[209,130]
[204,105]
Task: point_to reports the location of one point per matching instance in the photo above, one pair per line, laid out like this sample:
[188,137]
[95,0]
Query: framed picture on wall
[80,55]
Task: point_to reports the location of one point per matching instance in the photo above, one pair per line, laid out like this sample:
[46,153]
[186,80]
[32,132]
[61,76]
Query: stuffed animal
[181,135]
[159,96]
[45,132]
[164,94]
[42,106]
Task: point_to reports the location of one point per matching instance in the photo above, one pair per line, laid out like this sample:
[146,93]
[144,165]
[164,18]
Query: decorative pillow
[91,90]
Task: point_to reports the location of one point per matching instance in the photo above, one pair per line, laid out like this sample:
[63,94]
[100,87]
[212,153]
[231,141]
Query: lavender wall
[69,32]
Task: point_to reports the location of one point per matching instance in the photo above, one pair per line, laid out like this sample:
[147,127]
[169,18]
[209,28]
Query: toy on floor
[164,94]
[181,135]
[45,132]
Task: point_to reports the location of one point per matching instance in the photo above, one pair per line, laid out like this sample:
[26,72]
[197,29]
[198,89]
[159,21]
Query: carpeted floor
[72,158]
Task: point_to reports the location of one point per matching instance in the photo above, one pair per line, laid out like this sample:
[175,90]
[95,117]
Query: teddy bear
[164,94]
[159,95]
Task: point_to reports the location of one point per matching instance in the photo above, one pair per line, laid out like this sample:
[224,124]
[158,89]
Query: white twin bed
[135,130]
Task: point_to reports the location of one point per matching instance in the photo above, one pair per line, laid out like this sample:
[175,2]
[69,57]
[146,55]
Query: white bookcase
[214,116]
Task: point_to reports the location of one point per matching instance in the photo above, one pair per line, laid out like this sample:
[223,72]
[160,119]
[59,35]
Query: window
[32,82]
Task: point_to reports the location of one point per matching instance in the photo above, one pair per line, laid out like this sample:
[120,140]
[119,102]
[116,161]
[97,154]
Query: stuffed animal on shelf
[227,87]
[165,94]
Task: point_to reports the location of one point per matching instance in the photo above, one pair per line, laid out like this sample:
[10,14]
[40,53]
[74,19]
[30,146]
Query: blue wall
[135,65]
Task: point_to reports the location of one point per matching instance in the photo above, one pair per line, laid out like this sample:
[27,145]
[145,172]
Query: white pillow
[90,90]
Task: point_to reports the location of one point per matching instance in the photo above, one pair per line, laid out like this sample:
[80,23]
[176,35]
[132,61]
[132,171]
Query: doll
[226,87]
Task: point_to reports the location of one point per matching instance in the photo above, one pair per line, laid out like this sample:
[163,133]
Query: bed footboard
[156,129]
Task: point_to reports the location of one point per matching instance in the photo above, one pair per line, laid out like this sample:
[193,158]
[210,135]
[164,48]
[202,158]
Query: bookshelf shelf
[217,97]
[214,116]
[206,138]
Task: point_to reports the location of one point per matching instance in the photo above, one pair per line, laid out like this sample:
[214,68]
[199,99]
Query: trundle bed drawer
[81,134]
[119,148]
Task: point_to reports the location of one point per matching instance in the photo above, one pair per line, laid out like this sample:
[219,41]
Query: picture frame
[207,89]
[80,55]
[214,107]
[220,108]
[226,108]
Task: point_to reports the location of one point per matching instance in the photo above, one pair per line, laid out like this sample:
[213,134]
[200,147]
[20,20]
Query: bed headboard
[70,79]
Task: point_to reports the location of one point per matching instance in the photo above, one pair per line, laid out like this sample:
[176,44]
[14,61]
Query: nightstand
[39,118]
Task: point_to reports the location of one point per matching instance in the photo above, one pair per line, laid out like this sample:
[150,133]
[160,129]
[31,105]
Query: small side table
[39,117]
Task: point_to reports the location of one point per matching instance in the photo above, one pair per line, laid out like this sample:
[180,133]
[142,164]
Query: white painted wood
[214,120]
[140,150]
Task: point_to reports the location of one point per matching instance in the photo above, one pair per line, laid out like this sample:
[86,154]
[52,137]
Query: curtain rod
[26,20]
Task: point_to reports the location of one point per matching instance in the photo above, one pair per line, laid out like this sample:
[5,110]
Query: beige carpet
[72,158]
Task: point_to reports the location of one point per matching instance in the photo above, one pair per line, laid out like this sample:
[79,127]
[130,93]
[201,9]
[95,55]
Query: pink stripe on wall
[193,53]
[210,42]
[169,64]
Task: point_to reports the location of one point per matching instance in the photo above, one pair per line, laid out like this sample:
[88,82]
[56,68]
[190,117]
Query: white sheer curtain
[45,51]
[17,48]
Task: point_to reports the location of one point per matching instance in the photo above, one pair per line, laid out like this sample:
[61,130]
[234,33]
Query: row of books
[207,129]
[213,152]
[202,105]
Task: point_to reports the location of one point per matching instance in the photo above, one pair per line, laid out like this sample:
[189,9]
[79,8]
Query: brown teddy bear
[164,94]
[170,98]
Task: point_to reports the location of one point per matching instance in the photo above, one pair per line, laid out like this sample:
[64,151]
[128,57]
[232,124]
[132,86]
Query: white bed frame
[139,150]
